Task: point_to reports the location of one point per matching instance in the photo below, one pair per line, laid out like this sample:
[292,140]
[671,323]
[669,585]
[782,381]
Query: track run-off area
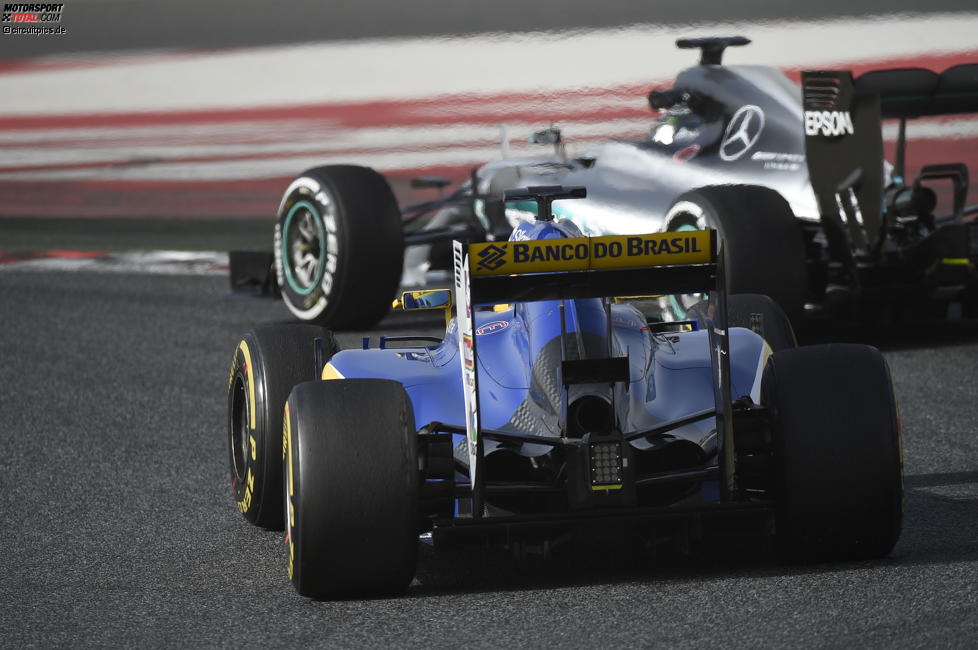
[219,133]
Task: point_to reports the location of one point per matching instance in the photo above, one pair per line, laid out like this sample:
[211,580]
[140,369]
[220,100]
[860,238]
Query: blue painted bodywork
[669,373]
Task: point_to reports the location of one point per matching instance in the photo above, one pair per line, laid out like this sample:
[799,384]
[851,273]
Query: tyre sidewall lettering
[289,454]
[243,367]
[310,303]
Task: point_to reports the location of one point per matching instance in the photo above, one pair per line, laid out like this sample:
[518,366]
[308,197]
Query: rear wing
[589,267]
[592,267]
[916,92]
[908,93]
[844,144]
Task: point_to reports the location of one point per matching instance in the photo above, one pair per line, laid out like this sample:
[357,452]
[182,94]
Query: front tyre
[339,246]
[351,488]
[267,363]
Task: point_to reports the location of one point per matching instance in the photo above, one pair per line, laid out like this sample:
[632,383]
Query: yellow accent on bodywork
[252,420]
[605,487]
[330,372]
[620,299]
[955,261]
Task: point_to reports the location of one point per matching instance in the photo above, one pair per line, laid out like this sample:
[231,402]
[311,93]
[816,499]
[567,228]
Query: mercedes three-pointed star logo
[742,132]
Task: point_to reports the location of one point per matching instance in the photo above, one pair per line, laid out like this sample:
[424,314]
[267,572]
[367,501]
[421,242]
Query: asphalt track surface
[132,25]
[119,527]
[118,524]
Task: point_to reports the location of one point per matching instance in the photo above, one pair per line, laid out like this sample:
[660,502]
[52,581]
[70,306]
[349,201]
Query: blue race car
[554,407]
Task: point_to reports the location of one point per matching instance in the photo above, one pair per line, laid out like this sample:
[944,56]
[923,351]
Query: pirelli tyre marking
[244,446]
[290,491]
[306,247]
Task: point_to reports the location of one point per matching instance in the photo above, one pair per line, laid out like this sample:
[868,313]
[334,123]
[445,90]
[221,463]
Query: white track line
[393,148]
[489,63]
[146,262]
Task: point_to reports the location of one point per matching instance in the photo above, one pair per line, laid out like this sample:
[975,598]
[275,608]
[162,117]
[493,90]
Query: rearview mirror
[426,299]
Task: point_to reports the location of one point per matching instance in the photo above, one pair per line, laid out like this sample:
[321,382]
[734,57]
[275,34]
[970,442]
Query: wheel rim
[303,248]
[239,430]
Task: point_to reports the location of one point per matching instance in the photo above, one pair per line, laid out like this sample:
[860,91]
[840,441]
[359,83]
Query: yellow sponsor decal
[591,253]
[500,258]
[661,249]
[251,384]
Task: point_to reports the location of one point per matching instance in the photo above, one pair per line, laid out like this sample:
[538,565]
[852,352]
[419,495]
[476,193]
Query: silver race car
[793,179]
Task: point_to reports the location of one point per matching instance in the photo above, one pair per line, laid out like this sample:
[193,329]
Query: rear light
[606,465]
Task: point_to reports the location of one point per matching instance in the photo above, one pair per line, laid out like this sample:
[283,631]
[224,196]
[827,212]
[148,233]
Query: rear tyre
[838,454]
[762,241]
[352,488]
[267,363]
[755,312]
[339,246]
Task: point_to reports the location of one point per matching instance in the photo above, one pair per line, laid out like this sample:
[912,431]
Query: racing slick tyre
[762,240]
[352,488]
[755,312]
[837,451]
[267,363]
[339,246]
